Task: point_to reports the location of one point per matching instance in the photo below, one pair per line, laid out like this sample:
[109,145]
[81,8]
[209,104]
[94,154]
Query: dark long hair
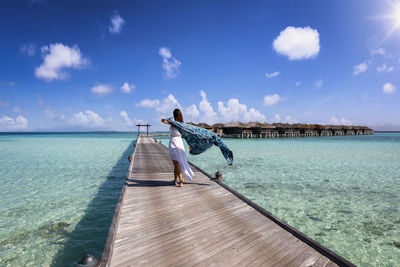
[178,115]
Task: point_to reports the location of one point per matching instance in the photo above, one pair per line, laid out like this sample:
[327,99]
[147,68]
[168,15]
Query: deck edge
[303,237]
[107,251]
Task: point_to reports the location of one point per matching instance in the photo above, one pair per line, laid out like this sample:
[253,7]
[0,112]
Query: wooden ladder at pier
[204,223]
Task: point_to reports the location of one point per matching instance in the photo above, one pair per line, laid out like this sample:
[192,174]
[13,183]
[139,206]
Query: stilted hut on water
[283,130]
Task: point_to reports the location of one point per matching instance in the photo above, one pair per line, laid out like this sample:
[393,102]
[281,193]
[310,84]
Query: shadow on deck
[155,183]
[97,219]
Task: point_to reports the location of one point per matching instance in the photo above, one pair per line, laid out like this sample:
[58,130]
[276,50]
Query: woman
[177,153]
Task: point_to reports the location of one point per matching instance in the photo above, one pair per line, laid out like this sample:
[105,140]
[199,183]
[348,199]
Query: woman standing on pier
[177,153]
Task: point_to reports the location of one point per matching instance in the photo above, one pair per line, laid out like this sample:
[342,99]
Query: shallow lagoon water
[344,192]
[59,191]
[58,194]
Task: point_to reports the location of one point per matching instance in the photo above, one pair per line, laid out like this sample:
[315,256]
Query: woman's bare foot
[181,184]
[176,182]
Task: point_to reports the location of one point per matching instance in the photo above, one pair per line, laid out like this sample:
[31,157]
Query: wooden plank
[204,223]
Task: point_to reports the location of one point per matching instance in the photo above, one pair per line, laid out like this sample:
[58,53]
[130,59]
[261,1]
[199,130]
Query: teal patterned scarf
[201,139]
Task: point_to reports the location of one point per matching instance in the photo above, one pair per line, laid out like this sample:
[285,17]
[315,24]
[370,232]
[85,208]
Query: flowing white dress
[176,152]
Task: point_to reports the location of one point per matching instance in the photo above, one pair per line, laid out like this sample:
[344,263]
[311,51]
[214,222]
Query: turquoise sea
[58,192]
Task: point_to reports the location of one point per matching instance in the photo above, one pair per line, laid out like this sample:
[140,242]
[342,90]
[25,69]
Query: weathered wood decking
[203,223]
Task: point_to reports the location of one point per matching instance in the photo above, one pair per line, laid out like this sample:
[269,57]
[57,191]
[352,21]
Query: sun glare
[392,17]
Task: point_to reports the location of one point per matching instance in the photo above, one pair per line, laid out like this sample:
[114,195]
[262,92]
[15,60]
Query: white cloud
[148,103]
[58,57]
[297,43]
[206,108]
[102,89]
[277,118]
[342,121]
[232,111]
[28,49]
[164,107]
[253,115]
[170,64]
[289,119]
[235,111]
[9,124]
[271,75]
[127,88]
[87,119]
[116,23]
[318,84]
[125,118]
[297,83]
[384,67]
[192,113]
[270,100]
[388,88]
[360,68]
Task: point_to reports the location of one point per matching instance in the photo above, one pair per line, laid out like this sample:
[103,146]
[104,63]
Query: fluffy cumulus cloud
[287,119]
[297,43]
[8,124]
[126,118]
[254,115]
[192,113]
[342,121]
[235,111]
[87,119]
[170,64]
[388,88]
[127,88]
[102,89]
[58,57]
[164,107]
[207,110]
[271,75]
[116,23]
[277,118]
[28,49]
[270,100]
[232,111]
[360,68]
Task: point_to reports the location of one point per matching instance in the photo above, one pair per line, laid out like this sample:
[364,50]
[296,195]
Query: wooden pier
[205,223]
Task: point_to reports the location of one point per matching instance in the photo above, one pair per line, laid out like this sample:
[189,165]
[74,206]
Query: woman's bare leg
[175,174]
[179,172]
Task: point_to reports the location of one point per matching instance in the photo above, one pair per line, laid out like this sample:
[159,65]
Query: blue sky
[107,65]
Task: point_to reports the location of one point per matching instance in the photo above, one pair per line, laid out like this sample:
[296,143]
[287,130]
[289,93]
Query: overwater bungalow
[282,130]
[218,128]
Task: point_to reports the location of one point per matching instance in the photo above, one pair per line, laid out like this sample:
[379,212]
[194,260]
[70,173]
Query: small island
[281,130]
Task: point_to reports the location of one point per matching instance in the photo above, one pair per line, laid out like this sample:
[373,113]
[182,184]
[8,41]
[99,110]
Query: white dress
[176,152]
